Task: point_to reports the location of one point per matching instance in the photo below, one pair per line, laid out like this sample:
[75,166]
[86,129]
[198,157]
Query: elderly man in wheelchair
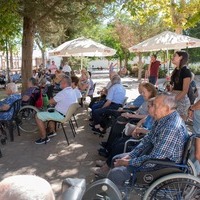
[158,167]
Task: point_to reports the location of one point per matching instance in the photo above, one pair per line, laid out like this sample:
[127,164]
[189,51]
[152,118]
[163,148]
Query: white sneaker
[100,163]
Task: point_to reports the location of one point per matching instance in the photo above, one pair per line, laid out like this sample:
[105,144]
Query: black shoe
[102,150]
[104,154]
[98,130]
[91,125]
[42,141]
[103,144]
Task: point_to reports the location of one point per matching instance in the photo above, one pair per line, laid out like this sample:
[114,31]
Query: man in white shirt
[62,102]
[67,69]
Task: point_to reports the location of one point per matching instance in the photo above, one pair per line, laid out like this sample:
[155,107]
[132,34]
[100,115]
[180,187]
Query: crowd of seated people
[161,123]
[135,131]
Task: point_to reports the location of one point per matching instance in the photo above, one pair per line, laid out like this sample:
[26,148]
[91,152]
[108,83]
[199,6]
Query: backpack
[192,92]
[37,96]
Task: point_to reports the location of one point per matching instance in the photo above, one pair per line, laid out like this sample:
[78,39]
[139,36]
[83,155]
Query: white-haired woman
[13,95]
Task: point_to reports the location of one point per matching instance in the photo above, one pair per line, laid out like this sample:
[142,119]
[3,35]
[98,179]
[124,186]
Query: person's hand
[190,114]
[137,132]
[121,162]
[126,115]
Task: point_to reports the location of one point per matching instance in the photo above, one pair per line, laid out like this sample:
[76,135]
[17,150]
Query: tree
[39,14]
[10,29]
[194,52]
[177,14]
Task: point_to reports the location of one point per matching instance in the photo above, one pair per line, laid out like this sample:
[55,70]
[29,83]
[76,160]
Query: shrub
[195,69]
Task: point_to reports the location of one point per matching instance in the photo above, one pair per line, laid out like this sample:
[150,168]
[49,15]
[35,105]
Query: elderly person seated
[13,95]
[32,93]
[166,140]
[84,83]
[131,131]
[62,101]
[114,100]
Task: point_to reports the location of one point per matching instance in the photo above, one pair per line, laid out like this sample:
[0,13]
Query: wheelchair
[28,112]
[170,181]
[27,118]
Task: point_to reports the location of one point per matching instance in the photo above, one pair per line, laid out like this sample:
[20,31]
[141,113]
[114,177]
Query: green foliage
[10,24]
[195,69]
[194,53]
[178,15]
[162,73]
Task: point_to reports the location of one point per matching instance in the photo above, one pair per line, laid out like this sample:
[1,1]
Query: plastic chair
[72,109]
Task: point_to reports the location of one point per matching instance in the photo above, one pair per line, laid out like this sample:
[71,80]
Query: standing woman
[180,80]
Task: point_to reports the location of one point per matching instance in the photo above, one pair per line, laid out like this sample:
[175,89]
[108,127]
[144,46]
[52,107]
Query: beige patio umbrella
[82,47]
[166,41]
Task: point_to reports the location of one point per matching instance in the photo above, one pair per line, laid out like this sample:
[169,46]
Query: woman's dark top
[177,77]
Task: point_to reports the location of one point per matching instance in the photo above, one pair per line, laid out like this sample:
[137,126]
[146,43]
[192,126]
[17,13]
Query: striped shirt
[166,139]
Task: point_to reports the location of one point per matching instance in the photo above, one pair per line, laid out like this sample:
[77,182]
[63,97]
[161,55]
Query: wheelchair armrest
[129,141]
[73,188]
[161,162]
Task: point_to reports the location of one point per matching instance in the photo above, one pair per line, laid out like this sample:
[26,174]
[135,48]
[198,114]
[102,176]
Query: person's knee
[21,187]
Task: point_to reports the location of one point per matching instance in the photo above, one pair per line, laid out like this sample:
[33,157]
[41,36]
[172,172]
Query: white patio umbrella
[82,47]
[166,41]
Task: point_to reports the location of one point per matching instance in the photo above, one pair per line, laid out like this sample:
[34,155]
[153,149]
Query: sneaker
[100,163]
[42,141]
[51,134]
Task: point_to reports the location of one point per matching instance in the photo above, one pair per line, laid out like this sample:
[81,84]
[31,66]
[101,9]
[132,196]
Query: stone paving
[56,160]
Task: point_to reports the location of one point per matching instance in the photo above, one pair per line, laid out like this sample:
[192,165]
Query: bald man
[25,187]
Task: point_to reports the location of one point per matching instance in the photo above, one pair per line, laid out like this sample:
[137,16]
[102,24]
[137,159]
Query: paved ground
[56,160]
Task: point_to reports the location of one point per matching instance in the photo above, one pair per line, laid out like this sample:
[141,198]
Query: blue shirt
[143,109]
[168,137]
[148,123]
[138,101]
[116,94]
[9,101]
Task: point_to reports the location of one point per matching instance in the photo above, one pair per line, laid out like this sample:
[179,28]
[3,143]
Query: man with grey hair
[25,187]
[62,102]
[166,140]
[13,95]
[114,100]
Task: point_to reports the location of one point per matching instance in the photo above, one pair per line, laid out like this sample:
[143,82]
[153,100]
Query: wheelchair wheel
[191,168]
[175,186]
[27,117]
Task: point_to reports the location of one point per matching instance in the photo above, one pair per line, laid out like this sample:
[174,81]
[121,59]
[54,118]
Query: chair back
[187,149]
[86,94]
[71,110]
[125,100]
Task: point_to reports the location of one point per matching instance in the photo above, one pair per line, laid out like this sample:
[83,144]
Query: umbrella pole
[167,63]
[81,62]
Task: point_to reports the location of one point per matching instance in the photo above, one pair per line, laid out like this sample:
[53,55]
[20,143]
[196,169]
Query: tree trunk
[27,50]
[11,56]
[7,62]
[140,65]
